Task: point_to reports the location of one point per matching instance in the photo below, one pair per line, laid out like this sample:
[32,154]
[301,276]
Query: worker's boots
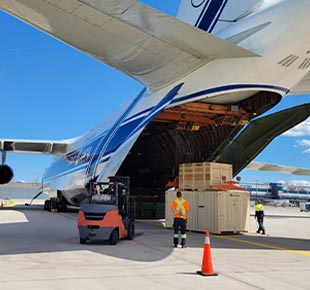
[175,242]
[183,243]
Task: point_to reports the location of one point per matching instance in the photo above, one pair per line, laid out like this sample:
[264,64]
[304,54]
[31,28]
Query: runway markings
[304,253]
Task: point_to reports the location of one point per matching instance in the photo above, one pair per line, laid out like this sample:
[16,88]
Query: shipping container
[216,211]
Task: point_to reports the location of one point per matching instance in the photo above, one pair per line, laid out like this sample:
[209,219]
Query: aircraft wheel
[114,237]
[82,241]
[45,205]
[48,205]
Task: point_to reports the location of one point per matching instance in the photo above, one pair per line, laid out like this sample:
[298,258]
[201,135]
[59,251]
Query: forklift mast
[115,192]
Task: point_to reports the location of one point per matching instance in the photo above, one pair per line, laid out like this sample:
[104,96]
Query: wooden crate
[216,211]
[203,175]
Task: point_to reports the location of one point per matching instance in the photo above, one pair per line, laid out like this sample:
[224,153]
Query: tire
[47,205]
[131,231]
[53,205]
[62,206]
[82,241]
[113,237]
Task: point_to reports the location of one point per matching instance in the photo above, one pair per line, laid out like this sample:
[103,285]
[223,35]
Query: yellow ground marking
[11,203]
[304,253]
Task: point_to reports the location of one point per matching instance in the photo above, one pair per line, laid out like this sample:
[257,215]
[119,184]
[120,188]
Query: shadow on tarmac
[33,230]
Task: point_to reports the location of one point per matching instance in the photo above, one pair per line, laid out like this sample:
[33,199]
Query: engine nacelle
[6,174]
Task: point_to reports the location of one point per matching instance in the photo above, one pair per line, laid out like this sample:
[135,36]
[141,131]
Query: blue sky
[51,91]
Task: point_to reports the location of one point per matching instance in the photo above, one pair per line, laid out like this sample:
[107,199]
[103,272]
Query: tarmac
[41,250]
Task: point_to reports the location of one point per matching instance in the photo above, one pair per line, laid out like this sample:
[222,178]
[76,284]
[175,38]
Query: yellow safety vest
[259,207]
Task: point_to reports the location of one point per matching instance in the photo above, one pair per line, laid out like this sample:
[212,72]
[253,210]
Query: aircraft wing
[144,43]
[33,146]
[302,87]
[278,168]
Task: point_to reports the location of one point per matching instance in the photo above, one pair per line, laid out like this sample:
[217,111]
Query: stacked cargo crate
[216,210]
[203,175]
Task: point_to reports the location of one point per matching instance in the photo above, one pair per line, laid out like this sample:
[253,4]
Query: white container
[215,211]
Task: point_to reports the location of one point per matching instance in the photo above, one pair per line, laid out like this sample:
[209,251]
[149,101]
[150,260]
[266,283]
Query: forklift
[106,217]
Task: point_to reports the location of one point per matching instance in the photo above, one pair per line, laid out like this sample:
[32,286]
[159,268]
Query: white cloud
[302,129]
[304,143]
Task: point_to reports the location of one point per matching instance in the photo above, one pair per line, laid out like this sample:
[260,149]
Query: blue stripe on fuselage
[228,88]
[139,114]
[159,107]
[104,144]
[79,159]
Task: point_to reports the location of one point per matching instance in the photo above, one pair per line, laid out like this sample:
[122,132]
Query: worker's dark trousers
[261,225]
[179,225]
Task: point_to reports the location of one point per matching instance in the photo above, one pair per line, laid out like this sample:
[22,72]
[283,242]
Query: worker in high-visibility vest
[180,208]
[259,215]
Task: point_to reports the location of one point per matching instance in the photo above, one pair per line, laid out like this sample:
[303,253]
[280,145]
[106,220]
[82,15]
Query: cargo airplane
[208,75]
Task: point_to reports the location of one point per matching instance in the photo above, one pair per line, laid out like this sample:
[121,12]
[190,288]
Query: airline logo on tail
[203,14]
[209,14]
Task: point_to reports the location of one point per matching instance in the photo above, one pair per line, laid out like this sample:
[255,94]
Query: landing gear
[51,205]
[56,203]
[47,205]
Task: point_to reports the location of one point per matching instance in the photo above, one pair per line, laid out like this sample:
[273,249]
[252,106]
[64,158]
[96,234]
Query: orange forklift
[106,216]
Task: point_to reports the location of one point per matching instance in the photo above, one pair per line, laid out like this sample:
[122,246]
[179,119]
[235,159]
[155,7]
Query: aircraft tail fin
[214,15]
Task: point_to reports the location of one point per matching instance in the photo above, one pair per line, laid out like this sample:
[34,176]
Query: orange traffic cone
[207,267]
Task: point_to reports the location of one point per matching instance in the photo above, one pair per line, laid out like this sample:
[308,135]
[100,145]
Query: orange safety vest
[180,205]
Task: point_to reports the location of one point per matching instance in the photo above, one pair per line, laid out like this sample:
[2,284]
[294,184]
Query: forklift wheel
[82,241]
[131,231]
[114,237]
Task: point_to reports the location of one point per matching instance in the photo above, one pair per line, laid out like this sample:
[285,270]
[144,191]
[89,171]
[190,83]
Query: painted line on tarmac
[9,204]
[304,253]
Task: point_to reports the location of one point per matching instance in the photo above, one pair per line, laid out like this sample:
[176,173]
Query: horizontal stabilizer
[278,168]
[34,146]
[142,42]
